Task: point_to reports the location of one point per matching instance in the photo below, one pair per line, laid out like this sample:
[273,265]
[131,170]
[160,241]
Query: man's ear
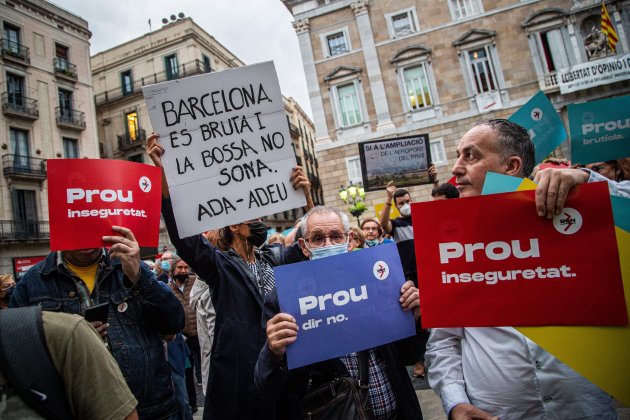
[302,245]
[514,166]
[350,241]
[234,228]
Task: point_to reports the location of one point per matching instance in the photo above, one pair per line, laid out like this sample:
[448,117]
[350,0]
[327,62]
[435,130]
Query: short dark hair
[447,190]
[400,192]
[514,140]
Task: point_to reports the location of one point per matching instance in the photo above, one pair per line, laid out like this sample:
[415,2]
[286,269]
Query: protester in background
[181,284]
[391,394]
[358,240]
[611,169]
[178,360]
[239,278]
[483,373]
[7,286]
[276,238]
[373,233]
[444,192]
[92,382]
[166,264]
[140,312]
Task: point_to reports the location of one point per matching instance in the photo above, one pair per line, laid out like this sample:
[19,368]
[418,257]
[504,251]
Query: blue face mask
[371,242]
[165,265]
[327,251]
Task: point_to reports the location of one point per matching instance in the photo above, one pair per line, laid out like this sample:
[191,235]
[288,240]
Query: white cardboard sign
[228,155]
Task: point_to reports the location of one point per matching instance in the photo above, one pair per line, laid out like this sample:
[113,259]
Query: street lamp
[353,196]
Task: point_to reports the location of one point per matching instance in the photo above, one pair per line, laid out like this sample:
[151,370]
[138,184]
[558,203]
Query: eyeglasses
[319,239]
[598,168]
[370,228]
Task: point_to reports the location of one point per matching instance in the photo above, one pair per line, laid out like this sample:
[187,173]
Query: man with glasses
[373,233]
[325,232]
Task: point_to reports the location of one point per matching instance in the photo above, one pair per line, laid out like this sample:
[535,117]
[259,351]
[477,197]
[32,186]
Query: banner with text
[542,121]
[521,269]
[344,303]
[228,155]
[600,130]
[594,73]
[86,197]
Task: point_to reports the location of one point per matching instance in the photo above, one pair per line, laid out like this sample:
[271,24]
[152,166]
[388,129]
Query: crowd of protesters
[206,313]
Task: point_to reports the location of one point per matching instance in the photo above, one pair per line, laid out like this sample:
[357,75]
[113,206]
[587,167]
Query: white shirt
[501,371]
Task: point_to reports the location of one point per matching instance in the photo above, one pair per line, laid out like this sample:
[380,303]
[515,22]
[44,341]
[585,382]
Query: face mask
[405,210]
[327,251]
[257,234]
[371,242]
[165,265]
[181,278]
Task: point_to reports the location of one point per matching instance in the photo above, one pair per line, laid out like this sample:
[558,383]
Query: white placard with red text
[86,197]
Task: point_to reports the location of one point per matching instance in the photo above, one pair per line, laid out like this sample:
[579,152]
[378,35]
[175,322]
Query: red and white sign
[86,197]
[492,261]
[22,265]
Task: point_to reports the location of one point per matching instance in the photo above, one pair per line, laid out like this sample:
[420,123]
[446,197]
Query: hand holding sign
[282,330]
[125,248]
[410,299]
[155,150]
[553,188]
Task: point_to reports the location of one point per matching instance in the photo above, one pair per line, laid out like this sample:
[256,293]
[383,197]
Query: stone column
[372,64]
[302,28]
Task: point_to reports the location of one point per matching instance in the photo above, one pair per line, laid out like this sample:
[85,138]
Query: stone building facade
[47,112]
[379,69]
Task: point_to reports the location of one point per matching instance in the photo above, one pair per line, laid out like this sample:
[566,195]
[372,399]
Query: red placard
[22,264]
[86,197]
[492,261]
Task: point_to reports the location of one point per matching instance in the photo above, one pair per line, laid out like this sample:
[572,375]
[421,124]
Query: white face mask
[405,210]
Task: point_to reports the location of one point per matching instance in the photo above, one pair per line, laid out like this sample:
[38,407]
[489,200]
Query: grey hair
[514,140]
[325,209]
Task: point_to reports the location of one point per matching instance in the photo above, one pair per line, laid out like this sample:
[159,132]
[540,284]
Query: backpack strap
[27,365]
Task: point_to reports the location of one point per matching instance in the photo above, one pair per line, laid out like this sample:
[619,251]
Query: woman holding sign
[239,278]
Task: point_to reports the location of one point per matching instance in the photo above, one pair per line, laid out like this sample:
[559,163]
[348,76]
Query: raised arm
[384,216]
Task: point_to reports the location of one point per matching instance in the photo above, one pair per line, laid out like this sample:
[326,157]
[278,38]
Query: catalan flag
[608,29]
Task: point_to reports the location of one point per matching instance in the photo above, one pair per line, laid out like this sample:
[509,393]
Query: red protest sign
[491,261]
[86,197]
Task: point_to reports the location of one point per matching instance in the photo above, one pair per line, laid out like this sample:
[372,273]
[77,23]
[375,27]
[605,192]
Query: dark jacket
[238,336]
[136,328]
[274,380]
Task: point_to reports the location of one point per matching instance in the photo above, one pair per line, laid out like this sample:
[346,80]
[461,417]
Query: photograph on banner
[228,155]
[344,303]
[600,130]
[92,195]
[539,117]
[519,265]
[403,160]
[594,73]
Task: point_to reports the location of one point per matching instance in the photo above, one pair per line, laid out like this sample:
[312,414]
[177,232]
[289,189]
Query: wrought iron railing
[24,230]
[15,51]
[65,68]
[20,165]
[19,104]
[125,141]
[69,117]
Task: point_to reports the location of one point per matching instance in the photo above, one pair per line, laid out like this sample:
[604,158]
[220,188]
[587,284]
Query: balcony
[19,106]
[183,70]
[126,143]
[548,82]
[17,53]
[24,167]
[67,118]
[294,130]
[24,230]
[64,69]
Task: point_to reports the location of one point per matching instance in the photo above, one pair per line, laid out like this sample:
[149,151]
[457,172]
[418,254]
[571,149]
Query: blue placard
[545,127]
[600,130]
[499,183]
[344,303]
[621,212]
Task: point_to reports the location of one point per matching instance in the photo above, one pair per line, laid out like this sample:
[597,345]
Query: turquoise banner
[600,130]
[545,127]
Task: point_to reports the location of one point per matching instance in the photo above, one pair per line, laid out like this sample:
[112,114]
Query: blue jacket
[136,328]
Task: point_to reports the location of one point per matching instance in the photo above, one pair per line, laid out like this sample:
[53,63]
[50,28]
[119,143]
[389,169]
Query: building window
[461,9]
[15,92]
[417,90]
[172,68]
[353,165]
[552,50]
[126,82]
[131,125]
[337,43]
[207,68]
[438,154]
[70,148]
[65,105]
[135,158]
[20,148]
[24,212]
[349,110]
[402,23]
[11,39]
[482,71]
[61,55]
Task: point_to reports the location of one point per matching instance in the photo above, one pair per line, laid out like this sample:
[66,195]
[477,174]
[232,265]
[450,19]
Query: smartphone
[97,312]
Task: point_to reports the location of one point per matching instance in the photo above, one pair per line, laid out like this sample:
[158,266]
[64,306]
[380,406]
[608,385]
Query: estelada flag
[86,197]
[491,261]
